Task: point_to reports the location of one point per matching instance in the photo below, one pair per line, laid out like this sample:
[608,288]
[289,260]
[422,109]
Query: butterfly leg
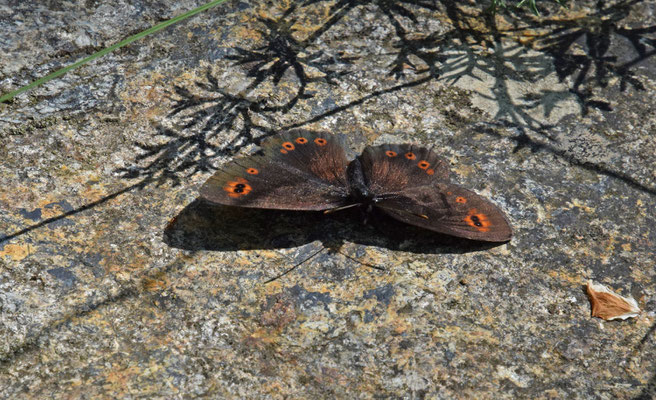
[405,211]
[365,213]
[332,210]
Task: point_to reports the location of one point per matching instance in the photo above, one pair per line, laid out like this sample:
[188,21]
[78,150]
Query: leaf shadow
[585,49]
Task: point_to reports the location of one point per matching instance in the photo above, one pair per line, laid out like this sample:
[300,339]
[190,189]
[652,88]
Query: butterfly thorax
[359,192]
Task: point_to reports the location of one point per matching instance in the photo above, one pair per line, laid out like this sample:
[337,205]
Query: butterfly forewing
[392,168]
[449,209]
[298,170]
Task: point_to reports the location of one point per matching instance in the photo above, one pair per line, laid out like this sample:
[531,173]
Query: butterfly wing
[298,170]
[450,209]
[394,167]
[411,184]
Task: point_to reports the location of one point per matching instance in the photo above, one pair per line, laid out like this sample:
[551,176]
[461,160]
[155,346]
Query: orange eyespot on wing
[390,153]
[238,187]
[461,200]
[290,171]
[430,171]
[410,156]
[423,164]
[477,220]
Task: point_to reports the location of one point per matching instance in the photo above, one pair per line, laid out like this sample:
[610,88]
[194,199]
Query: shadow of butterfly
[307,170]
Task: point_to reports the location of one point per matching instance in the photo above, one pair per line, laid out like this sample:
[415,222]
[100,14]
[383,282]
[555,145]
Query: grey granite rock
[117,282]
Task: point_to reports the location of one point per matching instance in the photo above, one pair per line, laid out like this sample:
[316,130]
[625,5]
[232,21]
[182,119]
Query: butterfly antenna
[294,267]
[332,210]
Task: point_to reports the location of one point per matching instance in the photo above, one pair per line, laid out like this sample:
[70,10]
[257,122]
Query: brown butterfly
[306,170]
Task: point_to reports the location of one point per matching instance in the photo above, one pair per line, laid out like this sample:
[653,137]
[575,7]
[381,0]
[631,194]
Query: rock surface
[117,282]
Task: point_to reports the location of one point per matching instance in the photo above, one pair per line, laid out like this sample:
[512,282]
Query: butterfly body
[359,189]
[306,170]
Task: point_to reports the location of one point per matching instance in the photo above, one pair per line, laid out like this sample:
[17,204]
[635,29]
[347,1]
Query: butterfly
[308,170]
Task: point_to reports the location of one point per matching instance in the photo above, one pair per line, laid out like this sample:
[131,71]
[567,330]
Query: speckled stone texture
[116,281]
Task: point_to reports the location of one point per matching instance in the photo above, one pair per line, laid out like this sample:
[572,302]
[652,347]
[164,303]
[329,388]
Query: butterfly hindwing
[449,209]
[297,170]
[390,168]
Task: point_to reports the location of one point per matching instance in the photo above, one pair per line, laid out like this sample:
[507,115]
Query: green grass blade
[106,50]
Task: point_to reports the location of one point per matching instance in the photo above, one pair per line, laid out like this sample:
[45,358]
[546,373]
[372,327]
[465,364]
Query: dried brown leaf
[609,305]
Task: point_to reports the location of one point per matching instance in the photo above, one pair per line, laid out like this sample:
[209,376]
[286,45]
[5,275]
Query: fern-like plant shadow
[599,64]
[209,114]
